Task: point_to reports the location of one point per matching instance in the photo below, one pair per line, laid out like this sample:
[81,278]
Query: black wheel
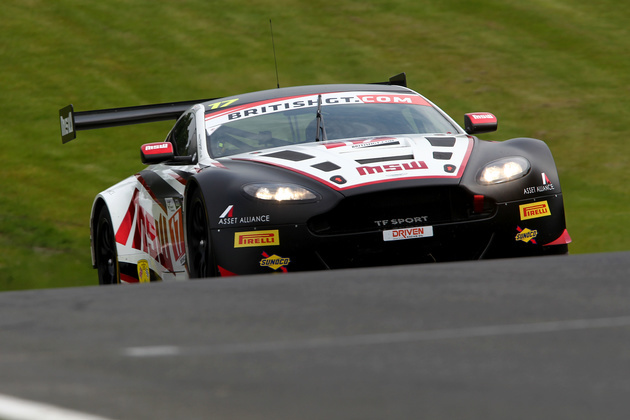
[199,259]
[105,249]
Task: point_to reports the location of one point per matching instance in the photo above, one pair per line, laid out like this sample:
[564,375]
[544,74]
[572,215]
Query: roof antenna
[274,54]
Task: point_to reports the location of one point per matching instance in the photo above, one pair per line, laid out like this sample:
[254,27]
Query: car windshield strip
[288,121]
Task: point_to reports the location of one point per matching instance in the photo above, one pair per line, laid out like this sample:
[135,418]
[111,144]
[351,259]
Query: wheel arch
[99,203]
[191,186]
[193,190]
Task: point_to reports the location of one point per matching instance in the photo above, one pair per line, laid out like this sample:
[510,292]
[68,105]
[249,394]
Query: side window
[184,135]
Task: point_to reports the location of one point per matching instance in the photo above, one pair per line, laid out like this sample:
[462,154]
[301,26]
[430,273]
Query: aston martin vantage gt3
[319,177]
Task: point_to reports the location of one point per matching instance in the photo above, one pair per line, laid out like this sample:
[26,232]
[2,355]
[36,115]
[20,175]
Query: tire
[199,258]
[105,249]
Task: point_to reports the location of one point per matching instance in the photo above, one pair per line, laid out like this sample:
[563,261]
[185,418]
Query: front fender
[229,206]
[116,199]
[542,178]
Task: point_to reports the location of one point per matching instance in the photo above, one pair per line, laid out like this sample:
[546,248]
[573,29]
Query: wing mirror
[480,122]
[152,153]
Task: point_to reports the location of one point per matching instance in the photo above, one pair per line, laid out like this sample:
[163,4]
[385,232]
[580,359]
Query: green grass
[551,69]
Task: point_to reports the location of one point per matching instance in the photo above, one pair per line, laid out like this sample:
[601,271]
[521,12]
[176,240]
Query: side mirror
[153,153]
[480,122]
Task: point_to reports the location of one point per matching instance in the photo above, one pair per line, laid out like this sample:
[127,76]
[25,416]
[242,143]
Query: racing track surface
[536,338]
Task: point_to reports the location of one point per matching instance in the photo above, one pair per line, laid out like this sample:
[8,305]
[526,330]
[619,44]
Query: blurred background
[557,70]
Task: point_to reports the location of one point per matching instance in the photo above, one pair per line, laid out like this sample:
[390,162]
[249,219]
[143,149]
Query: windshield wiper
[320,122]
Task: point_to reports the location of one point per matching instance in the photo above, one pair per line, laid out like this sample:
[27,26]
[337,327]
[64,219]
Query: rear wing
[72,121]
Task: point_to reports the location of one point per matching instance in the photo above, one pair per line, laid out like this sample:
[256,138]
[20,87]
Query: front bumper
[354,237]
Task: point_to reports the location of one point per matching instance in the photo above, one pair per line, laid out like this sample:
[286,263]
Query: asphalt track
[534,338]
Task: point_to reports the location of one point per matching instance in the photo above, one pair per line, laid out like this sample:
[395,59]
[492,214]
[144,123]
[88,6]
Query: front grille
[450,243]
[397,208]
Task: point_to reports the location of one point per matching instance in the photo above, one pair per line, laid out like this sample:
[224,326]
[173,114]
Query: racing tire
[105,249]
[199,257]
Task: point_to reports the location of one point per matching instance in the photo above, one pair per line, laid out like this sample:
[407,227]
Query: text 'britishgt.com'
[319,177]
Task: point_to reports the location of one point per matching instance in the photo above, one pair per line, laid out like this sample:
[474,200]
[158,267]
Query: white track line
[386,338]
[17,409]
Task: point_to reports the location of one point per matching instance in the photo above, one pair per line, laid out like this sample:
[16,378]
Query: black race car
[319,177]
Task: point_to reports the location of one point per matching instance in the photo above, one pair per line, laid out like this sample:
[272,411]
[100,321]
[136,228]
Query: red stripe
[122,235]
[178,177]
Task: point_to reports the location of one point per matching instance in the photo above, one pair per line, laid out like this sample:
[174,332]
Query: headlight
[279,192]
[503,170]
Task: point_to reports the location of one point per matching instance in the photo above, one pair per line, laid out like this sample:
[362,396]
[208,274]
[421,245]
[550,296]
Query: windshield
[261,126]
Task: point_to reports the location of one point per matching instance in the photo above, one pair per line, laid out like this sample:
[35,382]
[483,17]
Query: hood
[351,163]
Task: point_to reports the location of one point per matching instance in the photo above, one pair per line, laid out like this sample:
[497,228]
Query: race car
[318,177]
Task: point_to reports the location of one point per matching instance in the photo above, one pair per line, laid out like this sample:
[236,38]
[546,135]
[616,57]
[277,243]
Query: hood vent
[441,141]
[326,166]
[442,155]
[289,155]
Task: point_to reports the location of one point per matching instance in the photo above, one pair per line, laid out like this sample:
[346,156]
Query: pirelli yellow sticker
[256,238]
[534,210]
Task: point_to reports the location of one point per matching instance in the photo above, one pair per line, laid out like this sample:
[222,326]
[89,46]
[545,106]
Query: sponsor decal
[152,152]
[526,235]
[231,113]
[360,144]
[228,218]
[263,218]
[271,107]
[66,120]
[162,238]
[377,169]
[402,221]
[222,104]
[66,125]
[156,147]
[392,99]
[408,233]
[534,210]
[275,262]
[256,238]
[545,187]
[482,118]
[228,212]
[363,143]
[144,275]
[171,204]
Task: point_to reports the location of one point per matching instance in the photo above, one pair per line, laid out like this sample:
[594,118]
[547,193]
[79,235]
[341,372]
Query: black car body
[319,177]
